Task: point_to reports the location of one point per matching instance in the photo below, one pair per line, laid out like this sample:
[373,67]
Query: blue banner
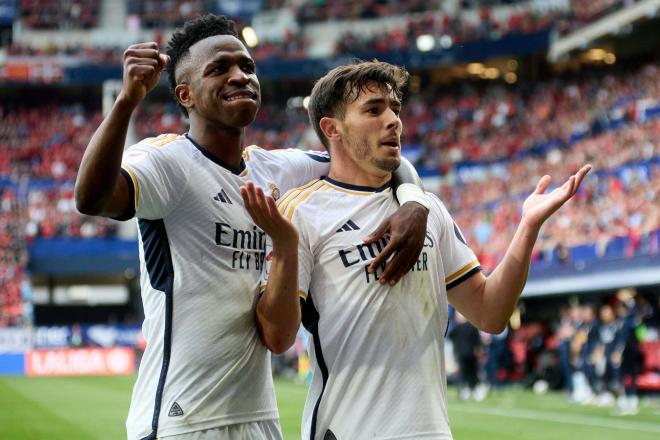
[12,364]
[244,9]
[7,11]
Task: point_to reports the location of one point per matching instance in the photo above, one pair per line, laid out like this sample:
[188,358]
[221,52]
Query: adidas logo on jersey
[349,226]
[222,197]
[175,410]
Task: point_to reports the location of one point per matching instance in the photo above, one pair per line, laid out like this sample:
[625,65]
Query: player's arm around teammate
[100,189]
[488,302]
[278,313]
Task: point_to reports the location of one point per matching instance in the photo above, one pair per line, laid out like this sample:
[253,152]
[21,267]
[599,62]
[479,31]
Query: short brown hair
[344,84]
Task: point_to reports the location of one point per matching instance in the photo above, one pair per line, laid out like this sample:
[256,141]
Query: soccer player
[377,351]
[206,372]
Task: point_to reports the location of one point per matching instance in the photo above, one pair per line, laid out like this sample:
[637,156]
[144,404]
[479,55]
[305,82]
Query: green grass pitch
[86,408]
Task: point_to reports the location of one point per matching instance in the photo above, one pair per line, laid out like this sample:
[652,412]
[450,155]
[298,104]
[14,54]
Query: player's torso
[217,252]
[381,346]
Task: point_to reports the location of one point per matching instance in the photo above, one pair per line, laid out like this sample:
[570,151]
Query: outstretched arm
[100,189]
[406,227]
[488,302]
[278,309]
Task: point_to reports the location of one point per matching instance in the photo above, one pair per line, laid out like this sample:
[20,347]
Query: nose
[393,120]
[238,76]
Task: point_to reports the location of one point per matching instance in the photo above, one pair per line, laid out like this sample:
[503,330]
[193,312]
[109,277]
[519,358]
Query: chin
[241,115]
[242,118]
[389,165]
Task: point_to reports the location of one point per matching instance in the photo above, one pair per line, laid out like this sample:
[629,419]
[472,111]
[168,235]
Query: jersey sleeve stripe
[290,195]
[462,271]
[134,179]
[291,208]
[165,139]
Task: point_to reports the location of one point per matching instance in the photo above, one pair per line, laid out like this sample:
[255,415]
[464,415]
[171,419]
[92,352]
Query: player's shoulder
[256,153]
[163,145]
[167,150]
[299,197]
[437,207]
[164,141]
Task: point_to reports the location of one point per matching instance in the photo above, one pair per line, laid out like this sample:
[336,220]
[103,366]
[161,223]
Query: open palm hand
[539,206]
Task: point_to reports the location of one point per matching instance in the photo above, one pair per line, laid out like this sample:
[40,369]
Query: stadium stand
[59,14]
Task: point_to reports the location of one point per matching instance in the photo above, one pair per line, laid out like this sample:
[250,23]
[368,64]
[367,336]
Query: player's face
[371,128]
[223,82]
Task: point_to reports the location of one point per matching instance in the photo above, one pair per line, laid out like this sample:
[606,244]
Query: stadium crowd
[13,258]
[462,22]
[448,30]
[59,14]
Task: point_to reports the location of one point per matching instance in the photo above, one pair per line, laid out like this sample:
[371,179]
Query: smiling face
[218,83]
[371,129]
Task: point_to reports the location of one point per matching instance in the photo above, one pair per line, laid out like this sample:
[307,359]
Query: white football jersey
[377,352]
[200,261]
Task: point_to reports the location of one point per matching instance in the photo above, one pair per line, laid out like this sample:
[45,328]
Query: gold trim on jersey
[353,192]
[462,271]
[136,184]
[291,194]
[163,139]
[290,207]
[248,149]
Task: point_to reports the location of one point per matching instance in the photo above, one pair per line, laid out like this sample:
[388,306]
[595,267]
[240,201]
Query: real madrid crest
[274,190]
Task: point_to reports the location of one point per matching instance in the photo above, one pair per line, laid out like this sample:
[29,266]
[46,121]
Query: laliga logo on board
[80,362]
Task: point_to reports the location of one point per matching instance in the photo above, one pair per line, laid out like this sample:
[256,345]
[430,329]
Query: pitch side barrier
[88,350]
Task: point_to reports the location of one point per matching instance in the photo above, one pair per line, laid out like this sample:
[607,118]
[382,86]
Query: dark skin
[218,85]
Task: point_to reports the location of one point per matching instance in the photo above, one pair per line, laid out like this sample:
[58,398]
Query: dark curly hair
[193,31]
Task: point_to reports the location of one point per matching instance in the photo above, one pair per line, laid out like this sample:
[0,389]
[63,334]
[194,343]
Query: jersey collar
[357,187]
[217,161]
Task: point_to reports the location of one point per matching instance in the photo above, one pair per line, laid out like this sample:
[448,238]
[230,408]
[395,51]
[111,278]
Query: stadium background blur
[501,92]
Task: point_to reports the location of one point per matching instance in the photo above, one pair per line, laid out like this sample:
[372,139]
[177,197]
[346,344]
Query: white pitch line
[561,418]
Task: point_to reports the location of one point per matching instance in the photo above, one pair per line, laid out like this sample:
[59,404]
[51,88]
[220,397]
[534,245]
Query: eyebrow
[224,58]
[374,101]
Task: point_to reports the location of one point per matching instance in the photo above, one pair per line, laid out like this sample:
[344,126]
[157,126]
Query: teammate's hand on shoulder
[265,214]
[142,65]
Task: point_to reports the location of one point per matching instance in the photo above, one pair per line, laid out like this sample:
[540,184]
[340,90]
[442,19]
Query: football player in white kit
[377,351]
[205,373]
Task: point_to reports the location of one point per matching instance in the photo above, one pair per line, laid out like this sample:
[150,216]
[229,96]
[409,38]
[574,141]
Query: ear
[183,95]
[330,128]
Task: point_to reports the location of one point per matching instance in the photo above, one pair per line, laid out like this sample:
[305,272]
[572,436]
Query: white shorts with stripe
[261,430]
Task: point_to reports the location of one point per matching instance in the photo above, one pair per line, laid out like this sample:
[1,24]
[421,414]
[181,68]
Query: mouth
[391,143]
[240,95]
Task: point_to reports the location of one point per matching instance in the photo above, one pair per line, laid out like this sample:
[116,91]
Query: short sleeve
[458,260]
[156,178]
[292,167]
[305,261]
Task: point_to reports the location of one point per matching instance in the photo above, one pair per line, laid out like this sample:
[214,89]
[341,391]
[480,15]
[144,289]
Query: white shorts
[262,430]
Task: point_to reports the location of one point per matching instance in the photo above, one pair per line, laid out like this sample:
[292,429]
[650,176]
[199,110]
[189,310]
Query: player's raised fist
[143,64]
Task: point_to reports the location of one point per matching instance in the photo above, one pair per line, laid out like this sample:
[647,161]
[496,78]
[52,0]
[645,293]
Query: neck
[224,143]
[345,170]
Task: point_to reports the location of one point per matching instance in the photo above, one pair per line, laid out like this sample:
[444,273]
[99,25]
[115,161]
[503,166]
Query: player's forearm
[407,184]
[505,284]
[100,165]
[278,309]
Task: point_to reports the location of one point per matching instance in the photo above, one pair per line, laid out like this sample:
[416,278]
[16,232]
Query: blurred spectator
[466,341]
[59,14]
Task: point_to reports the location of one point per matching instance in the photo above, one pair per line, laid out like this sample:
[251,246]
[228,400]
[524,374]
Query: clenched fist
[142,66]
